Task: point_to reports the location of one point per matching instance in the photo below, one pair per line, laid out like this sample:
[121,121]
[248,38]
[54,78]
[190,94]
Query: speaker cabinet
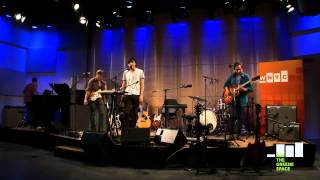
[11,116]
[97,148]
[135,135]
[290,132]
[309,7]
[278,116]
[171,136]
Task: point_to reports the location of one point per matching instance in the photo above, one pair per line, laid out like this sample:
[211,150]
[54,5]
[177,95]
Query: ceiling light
[83,20]
[18,16]
[23,18]
[76,6]
[129,4]
[98,24]
[290,9]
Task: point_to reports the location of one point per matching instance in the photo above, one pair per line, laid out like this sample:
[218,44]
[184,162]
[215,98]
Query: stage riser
[100,150]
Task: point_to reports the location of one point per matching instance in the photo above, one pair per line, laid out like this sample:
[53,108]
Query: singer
[133,85]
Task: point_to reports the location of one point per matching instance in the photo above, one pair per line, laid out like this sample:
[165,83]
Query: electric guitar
[143,118]
[156,123]
[231,92]
[97,94]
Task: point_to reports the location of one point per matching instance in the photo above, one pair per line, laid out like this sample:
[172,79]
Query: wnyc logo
[272,77]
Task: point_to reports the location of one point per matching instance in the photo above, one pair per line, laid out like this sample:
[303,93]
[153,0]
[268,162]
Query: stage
[99,149]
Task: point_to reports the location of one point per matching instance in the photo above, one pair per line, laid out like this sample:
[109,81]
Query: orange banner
[281,83]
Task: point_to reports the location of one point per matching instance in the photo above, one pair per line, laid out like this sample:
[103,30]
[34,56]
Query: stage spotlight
[34,27]
[291,9]
[76,6]
[18,16]
[129,4]
[23,18]
[228,7]
[145,17]
[246,7]
[180,13]
[83,20]
[117,19]
[98,24]
[289,6]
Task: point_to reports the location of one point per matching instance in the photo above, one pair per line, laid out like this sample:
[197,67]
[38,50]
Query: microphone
[186,86]
[211,78]
[230,65]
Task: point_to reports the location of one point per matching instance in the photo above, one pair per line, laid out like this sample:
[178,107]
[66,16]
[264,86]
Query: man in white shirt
[133,85]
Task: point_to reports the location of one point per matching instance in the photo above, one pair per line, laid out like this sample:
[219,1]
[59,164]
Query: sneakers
[244,131]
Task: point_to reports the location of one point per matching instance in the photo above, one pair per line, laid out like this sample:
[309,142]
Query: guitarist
[238,122]
[98,106]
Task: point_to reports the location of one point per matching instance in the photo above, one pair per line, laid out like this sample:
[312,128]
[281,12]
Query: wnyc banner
[281,83]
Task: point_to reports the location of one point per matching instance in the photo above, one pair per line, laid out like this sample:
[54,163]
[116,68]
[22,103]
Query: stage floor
[102,149]
[25,162]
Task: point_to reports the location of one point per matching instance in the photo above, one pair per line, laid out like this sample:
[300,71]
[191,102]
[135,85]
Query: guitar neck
[244,84]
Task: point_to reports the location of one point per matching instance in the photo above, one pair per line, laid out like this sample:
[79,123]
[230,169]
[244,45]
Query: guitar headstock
[256,78]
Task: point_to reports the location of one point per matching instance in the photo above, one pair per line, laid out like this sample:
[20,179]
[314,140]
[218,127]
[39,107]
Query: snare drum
[211,121]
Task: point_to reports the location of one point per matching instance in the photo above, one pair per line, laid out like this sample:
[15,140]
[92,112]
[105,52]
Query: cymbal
[196,98]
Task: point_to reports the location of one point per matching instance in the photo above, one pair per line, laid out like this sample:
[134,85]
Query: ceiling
[61,11]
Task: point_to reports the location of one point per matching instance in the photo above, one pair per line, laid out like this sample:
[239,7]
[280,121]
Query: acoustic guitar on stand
[231,92]
[143,118]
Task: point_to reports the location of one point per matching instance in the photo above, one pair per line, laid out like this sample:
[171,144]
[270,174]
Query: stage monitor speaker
[309,7]
[290,132]
[277,116]
[171,136]
[135,135]
[12,115]
[97,148]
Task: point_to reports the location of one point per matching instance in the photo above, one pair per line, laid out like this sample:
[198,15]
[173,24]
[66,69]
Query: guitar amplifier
[290,132]
[277,116]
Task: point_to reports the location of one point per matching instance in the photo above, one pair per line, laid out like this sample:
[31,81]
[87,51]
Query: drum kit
[214,119]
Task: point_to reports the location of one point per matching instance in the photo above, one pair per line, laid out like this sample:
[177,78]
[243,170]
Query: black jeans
[131,108]
[238,118]
[97,107]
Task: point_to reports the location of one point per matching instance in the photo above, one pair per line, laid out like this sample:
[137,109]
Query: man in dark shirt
[30,90]
[96,102]
[239,114]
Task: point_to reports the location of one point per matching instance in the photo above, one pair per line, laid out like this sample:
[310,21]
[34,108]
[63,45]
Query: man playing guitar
[97,105]
[239,98]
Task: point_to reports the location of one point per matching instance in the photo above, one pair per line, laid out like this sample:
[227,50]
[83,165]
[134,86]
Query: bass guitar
[231,92]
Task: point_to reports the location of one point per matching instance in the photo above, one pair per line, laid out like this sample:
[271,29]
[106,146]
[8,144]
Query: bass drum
[211,121]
